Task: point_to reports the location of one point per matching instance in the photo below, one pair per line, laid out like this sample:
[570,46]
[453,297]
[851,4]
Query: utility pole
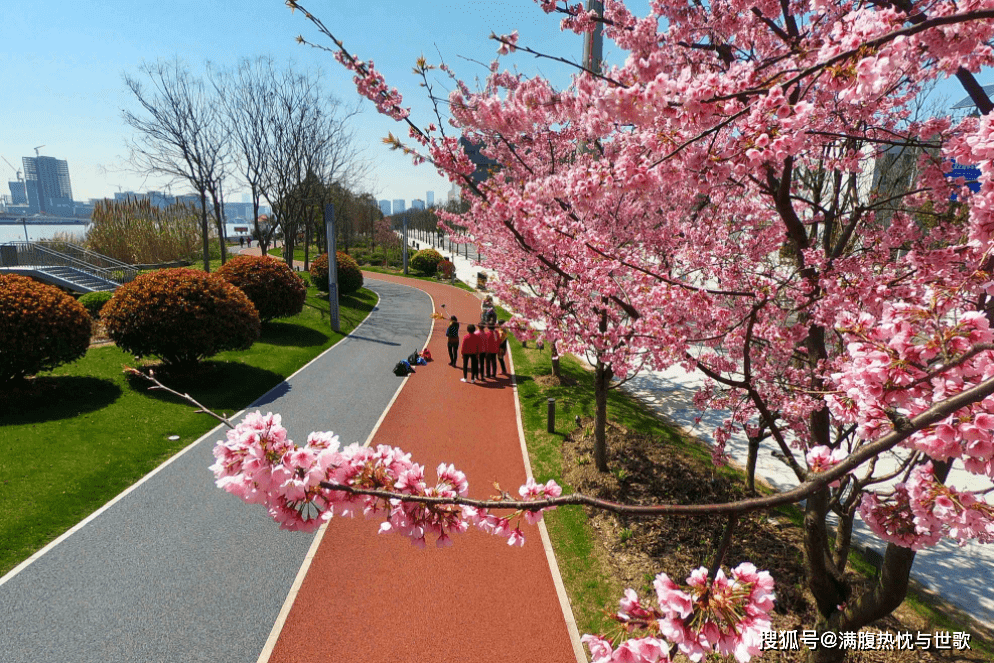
[329,229]
[405,245]
[593,47]
[39,188]
[593,42]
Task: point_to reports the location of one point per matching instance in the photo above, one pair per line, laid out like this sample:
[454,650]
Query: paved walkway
[373,597]
[176,570]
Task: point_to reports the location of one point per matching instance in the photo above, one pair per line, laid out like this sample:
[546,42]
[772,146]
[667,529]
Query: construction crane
[12,168]
[19,178]
[36,150]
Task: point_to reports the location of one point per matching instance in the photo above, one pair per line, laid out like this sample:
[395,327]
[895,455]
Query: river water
[39,231]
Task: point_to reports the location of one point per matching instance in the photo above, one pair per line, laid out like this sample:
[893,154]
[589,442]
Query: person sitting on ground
[488,314]
[452,334]
[470,350]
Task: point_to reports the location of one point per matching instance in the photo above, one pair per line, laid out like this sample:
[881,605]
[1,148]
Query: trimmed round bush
[446,269]
[426,261]
[181,316]
[349,274]
[94,301]
[41,327]
[270,284]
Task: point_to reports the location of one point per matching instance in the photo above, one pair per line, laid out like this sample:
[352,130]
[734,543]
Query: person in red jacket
[490,348]
[470,350]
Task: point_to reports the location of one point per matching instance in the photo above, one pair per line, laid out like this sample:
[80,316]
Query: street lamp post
[329,229]
[593,42]
[405,245]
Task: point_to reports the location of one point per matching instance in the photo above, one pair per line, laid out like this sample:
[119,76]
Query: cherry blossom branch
[904,428]
[514,46]
[158,386]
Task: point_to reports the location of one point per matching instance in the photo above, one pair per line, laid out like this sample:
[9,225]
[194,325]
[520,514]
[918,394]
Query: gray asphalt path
[180,571]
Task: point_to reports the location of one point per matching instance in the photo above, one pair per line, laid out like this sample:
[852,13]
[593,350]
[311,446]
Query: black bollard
[552,416]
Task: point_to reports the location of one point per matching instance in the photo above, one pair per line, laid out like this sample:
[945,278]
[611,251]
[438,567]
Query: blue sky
[64,62]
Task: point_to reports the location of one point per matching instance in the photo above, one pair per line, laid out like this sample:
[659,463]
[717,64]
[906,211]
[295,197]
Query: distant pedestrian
[470,350]
[241,241]
[490,340]
[501,346]
[452,334]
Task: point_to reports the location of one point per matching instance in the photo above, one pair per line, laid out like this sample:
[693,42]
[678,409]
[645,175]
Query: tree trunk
[602,377]
[751,464]
[307,246]
[555,361]
[204,228]
[218,202]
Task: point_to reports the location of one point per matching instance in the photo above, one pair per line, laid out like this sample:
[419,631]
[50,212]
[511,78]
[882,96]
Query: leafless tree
[247,94]
[311,144]
[178,134]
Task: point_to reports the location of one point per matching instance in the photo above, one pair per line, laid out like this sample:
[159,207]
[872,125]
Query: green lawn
[92,431]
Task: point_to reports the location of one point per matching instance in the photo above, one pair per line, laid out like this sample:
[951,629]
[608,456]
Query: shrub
[180,315]
[426,261]
[274,289]
[349,274]
[446,269]
[41,327]
[94,301]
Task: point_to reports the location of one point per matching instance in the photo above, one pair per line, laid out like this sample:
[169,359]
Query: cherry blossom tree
[711,203]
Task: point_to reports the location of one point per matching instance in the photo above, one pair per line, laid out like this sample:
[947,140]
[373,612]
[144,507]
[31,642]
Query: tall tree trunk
[307,246]
[205,229]
[602,379]
[556,371]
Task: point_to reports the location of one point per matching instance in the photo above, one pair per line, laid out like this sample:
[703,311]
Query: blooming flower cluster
[922,510]
[725,615]
[261,466]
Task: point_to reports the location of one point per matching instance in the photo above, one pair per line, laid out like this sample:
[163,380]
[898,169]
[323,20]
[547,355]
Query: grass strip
[89,431]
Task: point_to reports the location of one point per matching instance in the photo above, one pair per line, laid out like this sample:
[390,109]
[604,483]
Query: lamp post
[329,229]
[405,245]
[593,42]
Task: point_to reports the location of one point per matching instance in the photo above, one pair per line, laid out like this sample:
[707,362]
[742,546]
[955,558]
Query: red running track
[370,597]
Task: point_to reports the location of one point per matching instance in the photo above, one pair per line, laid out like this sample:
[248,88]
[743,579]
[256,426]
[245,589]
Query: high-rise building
[49,177]
[398,206]
[430,197]
[384,207]
[18,193]
[417,203]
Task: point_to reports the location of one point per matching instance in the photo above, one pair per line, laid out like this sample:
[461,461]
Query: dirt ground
[647,471]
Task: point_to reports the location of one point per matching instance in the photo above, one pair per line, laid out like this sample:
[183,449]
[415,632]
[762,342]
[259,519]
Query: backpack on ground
[402,369]
[413,359]
[426,355]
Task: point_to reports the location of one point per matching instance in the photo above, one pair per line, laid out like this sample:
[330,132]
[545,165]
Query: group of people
[482,347]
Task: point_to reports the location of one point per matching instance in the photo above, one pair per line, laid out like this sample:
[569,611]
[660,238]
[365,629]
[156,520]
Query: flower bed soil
[635,549]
